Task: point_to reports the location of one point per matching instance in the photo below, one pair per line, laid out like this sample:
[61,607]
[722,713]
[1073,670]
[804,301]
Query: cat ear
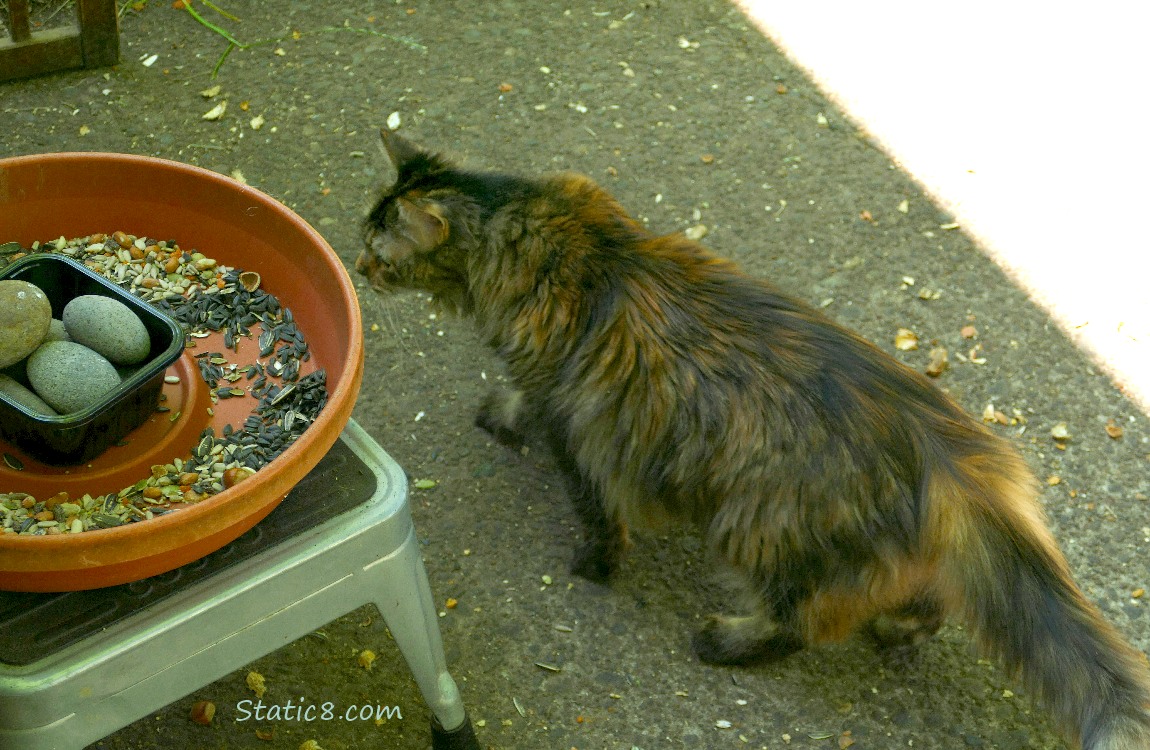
[399,149]
[424,223]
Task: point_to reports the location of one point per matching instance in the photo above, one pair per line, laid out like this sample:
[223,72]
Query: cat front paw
[593,562]
[493,418]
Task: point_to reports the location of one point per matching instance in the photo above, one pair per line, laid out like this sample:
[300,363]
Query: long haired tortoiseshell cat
[845,488]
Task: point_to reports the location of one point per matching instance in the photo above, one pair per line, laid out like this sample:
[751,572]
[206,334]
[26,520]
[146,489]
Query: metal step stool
[77,666]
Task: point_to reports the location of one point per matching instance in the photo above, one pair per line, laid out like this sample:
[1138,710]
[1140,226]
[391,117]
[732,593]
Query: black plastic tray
[81,436]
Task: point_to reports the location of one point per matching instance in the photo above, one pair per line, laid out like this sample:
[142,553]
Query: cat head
[410,238]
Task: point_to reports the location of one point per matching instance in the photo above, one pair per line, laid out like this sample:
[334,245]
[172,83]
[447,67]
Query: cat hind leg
[744,640]
[907,626]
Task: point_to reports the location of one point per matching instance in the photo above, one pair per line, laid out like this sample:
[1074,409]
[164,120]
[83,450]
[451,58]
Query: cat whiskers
[388,309]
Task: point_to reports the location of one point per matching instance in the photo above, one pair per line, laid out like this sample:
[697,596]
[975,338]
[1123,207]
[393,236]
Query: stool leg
[406,604]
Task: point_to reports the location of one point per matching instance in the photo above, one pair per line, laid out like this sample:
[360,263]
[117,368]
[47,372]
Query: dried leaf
[256,684]
[365,659]
[696,232]
[845,740]
[969,332]
[1053,480]
[938,362]
[1113,429]
[1060,431]
[905,340]
[904,207]
[208,93]
[257,122]
[393,121]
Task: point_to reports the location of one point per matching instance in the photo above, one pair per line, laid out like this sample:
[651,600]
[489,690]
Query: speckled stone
[57,332]
[70,376]
[25,314]
[109,327]
[15,391]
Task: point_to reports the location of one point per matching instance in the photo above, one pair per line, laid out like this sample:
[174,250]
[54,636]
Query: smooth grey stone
[109,327]
[57,331]
[70,376]
[15,391]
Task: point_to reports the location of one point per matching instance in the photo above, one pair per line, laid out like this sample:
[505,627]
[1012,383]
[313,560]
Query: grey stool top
[34,626]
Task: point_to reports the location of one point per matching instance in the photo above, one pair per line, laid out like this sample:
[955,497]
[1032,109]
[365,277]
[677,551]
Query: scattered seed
[203,712]
[938,362]
[905,340]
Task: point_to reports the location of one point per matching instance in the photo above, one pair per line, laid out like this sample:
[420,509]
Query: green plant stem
[212,26]
[221,11]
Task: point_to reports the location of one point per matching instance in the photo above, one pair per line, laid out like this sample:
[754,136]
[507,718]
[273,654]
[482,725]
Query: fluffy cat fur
[846,490]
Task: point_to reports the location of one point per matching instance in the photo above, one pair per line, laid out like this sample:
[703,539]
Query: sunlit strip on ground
[1025,123]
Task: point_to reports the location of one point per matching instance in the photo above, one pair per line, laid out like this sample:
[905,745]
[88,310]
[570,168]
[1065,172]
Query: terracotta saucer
[76,194]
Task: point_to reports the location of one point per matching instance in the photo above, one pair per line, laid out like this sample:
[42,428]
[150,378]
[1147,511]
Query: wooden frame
[94,42]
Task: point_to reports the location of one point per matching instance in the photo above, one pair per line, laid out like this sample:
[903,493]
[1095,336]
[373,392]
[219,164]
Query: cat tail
[1002,572]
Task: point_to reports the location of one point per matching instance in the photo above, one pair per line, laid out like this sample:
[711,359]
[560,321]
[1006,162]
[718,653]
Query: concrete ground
[690,116]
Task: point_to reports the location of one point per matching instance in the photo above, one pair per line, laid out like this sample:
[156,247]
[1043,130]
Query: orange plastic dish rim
[26,562]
